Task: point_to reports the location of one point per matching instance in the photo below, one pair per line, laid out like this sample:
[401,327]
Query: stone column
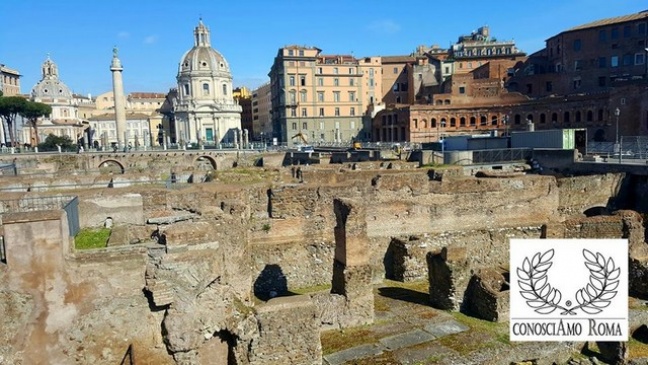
[352,273]
[192,132]
[118,93]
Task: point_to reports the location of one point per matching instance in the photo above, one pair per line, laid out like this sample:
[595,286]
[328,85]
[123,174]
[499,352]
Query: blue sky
[152,36]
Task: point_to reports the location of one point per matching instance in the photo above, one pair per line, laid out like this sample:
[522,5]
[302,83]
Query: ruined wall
[73,309]
[579,193]
[465,211]
[622,224]
[122,208]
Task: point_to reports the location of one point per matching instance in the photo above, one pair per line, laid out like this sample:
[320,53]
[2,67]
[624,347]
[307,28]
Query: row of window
[615,61]
[336,70]
[481,51]
[640,30]
[578,116]
[320,81]
[303,96]
[352,126]
[205,89]
[336,112]
[8,80]
[611,34]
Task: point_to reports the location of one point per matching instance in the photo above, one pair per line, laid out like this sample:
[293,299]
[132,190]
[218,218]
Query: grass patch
[311,289]
[637,349]
[89,238]
[338,340]
[482,335]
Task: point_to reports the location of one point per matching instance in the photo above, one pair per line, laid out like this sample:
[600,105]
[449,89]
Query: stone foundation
[487,296]
[288,333]
[448,271]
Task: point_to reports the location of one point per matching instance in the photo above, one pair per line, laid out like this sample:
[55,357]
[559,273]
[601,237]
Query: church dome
[202,58]
[50,86]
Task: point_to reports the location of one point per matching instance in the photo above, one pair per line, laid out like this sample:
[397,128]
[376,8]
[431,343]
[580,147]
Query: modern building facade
[261,118]
[205,111]
[323,98]
[243,97]
[9,81]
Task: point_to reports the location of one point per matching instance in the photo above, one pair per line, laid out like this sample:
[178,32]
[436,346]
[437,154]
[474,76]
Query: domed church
[205,110]
[64,120]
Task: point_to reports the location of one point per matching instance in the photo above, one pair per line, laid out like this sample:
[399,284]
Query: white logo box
[568,290]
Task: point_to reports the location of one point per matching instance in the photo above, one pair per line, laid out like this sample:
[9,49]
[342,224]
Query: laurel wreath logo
[545,299]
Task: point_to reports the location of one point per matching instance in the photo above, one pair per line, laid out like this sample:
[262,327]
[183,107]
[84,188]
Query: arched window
[530,117]
[453,122]
[186,90]
[543,118]
[293,96]
[205,88]
[462,121]
[224,89]
[494,120]
[482,120]
[443,122]
[566,117]
[433,123]
[578,116]
[424,123]
[302,96]
[590,116]
[415,123]
[517,118]
[600,115]
[554,117]
[473,121]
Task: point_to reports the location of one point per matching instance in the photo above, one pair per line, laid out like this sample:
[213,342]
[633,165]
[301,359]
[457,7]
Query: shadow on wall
[406,295]
[271,283]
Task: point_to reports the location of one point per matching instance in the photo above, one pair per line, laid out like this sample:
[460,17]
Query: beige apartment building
[323,98]
[261,107]
[9,81]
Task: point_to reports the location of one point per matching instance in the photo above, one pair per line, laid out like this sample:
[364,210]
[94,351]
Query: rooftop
[610,21]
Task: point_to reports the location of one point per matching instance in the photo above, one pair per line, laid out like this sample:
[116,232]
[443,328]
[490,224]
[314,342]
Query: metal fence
[8,170]
[629,148]
[68,203]
[501,155]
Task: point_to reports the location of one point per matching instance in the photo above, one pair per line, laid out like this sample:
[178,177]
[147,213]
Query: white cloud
[150,39]
[123,34]
[384,26]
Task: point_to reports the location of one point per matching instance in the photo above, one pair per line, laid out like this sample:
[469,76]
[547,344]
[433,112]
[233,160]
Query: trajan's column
[118,94]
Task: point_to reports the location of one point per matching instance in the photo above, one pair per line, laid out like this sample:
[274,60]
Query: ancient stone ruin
[207,273]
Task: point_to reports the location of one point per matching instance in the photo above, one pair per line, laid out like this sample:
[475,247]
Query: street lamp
[617,112]
[617,146]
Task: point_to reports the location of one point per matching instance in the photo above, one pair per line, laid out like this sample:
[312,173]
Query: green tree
[34,110]
[10,108]
[52,141]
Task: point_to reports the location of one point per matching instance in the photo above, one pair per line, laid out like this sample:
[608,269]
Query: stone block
[487,296]
[288,333]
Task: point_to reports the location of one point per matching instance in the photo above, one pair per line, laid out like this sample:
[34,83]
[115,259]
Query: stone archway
[205,163]
[111,167]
